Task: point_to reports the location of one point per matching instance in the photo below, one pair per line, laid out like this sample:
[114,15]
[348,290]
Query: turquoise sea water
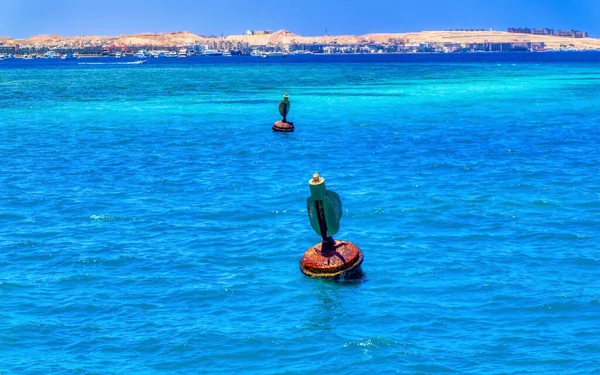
[151,222]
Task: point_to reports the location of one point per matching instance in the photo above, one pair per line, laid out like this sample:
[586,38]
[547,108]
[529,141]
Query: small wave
[11,216]
[242,101]
[374,342]
[111,218]
[75,278]
[540,203]
[100,217]
[8,286]
[109,63]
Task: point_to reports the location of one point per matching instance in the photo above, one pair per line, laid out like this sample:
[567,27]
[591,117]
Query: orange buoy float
[341,260]
[281,126]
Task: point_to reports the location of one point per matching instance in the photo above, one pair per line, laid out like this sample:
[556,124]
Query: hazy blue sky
[22,18]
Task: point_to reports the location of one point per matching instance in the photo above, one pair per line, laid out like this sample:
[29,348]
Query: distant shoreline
[285,42]
[392,57]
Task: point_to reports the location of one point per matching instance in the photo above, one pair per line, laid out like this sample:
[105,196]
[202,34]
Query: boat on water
[137,62]
[141,54]
[182,53]
[227,54]
[69,56]
[301,53]
[118,55]
[274,54]
[51,55]
[212,52]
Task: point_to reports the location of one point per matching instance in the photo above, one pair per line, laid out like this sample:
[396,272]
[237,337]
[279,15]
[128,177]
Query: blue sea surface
[152,223]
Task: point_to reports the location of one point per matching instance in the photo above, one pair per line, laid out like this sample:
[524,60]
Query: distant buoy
[285,127]
[340,261]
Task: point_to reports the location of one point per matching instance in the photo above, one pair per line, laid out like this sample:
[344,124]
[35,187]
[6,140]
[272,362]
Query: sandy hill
[287,37]
[499,37]
[6,40]
[168,39]
[158,39]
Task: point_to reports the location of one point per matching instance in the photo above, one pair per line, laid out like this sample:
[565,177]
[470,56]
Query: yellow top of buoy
[316,179]
[285,96]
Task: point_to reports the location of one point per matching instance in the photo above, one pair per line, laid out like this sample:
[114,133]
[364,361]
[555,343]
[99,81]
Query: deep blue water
[151,222]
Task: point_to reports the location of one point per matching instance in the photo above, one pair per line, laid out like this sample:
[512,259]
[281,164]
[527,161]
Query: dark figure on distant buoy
[330,258]
[284,108]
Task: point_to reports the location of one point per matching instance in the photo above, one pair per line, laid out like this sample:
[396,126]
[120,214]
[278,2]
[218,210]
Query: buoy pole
[318,186]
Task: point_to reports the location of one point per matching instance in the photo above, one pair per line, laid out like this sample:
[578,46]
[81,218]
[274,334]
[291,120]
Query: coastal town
[265,43]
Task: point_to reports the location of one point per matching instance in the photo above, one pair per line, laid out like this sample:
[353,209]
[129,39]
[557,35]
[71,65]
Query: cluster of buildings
[446,47]
[244,48]
[466,30]
[258,32]
[546,31]
[192,49]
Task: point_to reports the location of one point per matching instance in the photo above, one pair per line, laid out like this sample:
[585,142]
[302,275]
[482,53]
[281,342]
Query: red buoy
[340,260]
[281,126]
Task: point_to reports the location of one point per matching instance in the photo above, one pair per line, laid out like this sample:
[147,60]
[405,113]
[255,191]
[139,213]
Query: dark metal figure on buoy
[284,108]
[330,258]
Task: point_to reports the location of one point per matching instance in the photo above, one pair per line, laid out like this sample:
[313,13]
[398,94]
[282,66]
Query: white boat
[301,53]
[118,55]
[212,52]
[51,55]
[141,54]
[274,54]
[182,53]
[69,56]
[227,53]
[172,54]
[28,57]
